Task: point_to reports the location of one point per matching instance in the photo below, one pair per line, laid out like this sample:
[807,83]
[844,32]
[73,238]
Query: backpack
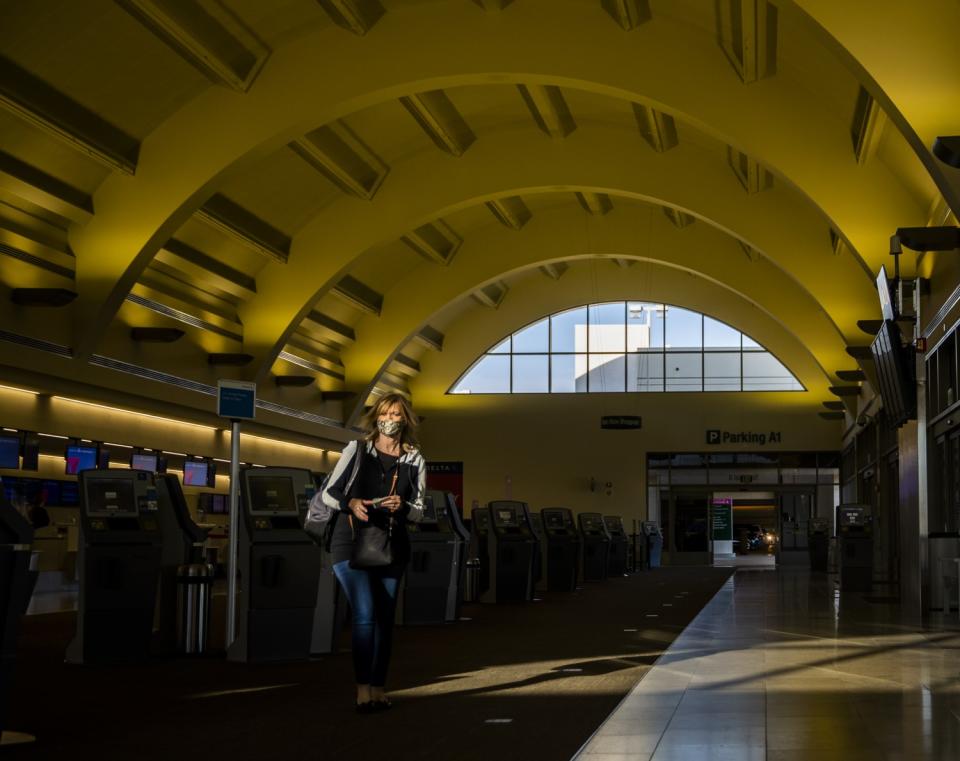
[321,518]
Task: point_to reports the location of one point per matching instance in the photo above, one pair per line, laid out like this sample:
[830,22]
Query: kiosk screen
[592,523]
[506,517]
[429,508]
[272,496]
[851,516]
[110,496]
[553,520]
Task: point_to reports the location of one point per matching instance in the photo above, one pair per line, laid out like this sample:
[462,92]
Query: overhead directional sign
[236,400]
[621,422]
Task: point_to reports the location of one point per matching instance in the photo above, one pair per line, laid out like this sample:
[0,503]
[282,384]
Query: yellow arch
[779,223]
[227,131]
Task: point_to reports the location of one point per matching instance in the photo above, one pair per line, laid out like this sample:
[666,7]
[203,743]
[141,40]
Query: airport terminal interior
[673,287]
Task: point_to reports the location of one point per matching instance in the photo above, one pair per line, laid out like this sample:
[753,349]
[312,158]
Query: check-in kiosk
[433,567]
[16,586]
[540,551]
[617,558]
[563,548]
[510,548]
[479,535]
[279,566]
[447,511]
[595,547]
[118,563]
[331,607]
[654,542]
[182,544]
[855,546]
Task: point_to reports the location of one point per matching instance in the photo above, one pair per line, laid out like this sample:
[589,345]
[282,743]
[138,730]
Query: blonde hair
[408,434]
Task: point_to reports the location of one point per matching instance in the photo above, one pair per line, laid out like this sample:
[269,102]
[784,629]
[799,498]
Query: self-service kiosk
[540,581]
[279,566]
[479,534]
[654,543]
[432,578]
[447,510]
[118,564]
[595,547]
[330,608]
[510,548]
[16,587]
[182,544]
[855,545]
[617,559]
[563,548]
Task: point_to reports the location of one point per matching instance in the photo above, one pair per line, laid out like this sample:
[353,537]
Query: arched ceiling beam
[778,223]
[906,55]
[476,331]
[560,235]
[225,131]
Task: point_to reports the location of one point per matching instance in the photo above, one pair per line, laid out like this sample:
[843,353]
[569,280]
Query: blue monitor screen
[144,462]
[50,492]
[69,494]
[9,452]
[80,458]
[10,491]
[194,473]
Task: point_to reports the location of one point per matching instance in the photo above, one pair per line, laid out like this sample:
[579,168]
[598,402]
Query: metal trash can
[654,550]
[471,581]
[194,588]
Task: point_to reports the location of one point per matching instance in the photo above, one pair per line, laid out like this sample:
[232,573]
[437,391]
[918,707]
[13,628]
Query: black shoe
[384,704]
[368,707]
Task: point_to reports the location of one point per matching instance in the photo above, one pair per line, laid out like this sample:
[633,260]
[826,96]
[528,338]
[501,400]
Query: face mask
[389,427]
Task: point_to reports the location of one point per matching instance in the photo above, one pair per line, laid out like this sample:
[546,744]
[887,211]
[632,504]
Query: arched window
[625,346]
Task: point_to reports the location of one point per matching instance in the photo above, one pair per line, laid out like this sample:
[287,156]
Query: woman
[387,489]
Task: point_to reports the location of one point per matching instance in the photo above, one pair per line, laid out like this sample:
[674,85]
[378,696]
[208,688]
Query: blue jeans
[372,594]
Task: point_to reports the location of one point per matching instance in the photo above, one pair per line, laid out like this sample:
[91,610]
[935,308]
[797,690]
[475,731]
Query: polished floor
[779,666]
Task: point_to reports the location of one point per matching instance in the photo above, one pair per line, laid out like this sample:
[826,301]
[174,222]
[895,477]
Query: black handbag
[373,540]
[372,546]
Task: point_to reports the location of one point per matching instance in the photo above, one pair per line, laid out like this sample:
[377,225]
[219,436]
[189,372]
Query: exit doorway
[756,528]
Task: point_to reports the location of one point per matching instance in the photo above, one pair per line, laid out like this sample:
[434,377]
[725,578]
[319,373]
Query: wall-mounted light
[21,390]
[138,414]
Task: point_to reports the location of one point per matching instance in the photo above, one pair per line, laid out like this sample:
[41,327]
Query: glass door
[688,535]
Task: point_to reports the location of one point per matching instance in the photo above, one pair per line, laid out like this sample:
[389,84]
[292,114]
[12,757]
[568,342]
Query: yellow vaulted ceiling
[327,185]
